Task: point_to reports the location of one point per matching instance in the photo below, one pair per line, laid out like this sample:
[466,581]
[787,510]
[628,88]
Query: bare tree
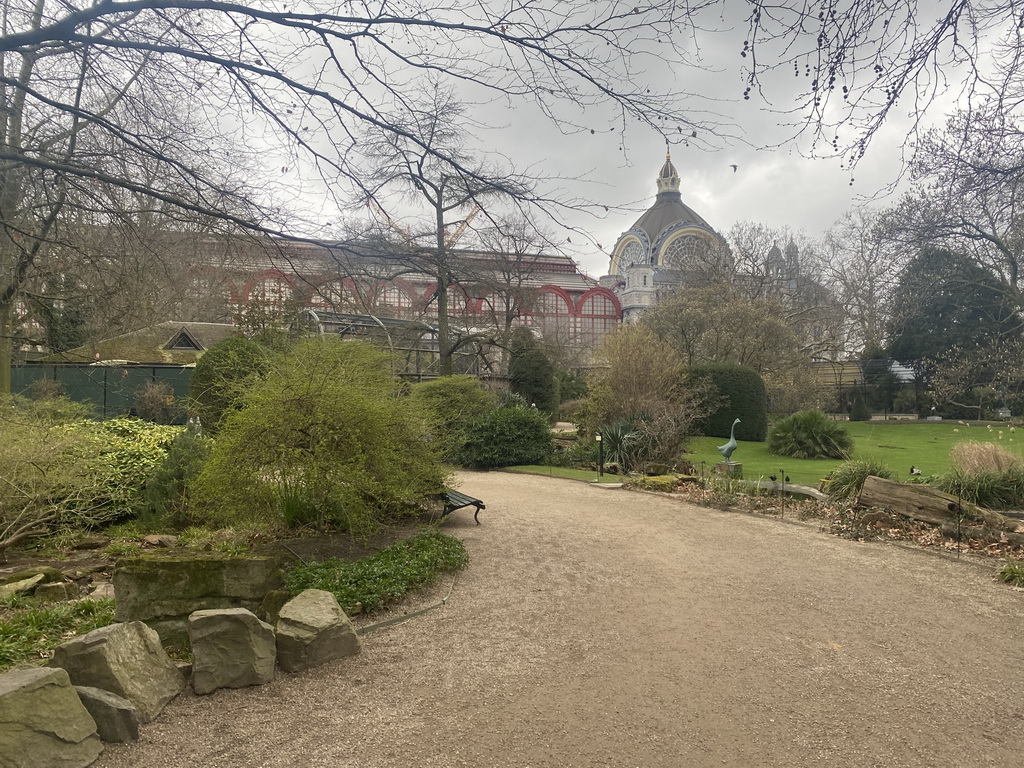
[969,196]
[860,264]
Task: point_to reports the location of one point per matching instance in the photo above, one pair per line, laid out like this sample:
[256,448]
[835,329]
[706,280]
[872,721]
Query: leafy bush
[328,434]
[742,396]
[506,437]
[454,403]
[71,473]
[222,375]
[375,582]
[846,480]
[810,435]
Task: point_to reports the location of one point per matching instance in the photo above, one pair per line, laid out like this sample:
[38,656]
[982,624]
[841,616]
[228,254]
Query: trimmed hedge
[507,437]
[744,397]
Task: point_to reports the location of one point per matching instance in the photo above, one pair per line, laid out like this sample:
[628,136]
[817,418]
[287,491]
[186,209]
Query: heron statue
[727,449]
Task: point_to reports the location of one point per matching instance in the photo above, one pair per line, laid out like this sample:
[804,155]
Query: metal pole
[600,456]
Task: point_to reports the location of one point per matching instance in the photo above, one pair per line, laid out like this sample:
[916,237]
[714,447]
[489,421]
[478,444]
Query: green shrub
[222,375]
[507,437]
[859,411]
[742,396]
[167,487]
[846,480]
[327,429]
[454,403]
[532,374]
[810,435]
[374,582]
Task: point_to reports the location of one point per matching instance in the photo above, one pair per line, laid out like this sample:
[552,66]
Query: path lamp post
[600,456]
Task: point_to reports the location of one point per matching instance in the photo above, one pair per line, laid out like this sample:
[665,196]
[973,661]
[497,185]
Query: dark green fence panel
[112,390]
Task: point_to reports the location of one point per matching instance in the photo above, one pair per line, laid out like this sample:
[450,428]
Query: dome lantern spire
[668,180]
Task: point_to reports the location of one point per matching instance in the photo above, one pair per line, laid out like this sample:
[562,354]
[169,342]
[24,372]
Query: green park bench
[454,500]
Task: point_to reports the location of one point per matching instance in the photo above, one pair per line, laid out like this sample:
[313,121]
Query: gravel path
[606,628]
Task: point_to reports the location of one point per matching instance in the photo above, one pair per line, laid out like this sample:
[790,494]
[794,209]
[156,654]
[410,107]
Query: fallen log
[929,505]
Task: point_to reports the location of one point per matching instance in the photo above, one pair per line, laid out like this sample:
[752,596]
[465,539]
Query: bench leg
[475,515]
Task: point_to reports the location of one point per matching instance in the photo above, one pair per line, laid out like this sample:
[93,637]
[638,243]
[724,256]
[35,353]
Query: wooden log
[928,505]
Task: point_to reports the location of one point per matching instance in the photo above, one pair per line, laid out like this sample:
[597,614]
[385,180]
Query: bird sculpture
[914,470]
[727,449]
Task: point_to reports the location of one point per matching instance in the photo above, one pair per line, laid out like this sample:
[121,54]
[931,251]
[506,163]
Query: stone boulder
[312,630]
[117,720]
[43,724]
[47,572]
[24,586]
[56,591]
[231,648]
[164,590]
[125,659]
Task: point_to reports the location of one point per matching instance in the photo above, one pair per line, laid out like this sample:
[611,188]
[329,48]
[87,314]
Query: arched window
[335,296]
[552,304]
[687,253]
[271,292]
[598,316]
[394,301]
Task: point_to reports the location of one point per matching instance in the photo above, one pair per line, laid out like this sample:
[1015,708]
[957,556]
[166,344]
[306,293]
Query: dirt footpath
[608,628]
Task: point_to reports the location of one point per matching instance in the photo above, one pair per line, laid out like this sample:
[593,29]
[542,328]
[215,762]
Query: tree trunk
[928,505]
[6,345]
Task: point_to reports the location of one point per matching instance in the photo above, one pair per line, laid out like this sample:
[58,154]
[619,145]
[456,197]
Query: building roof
[170,342]
[668,209]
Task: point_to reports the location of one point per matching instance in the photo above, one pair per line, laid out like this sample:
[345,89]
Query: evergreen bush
[455,403]
[507,437]
[742,395]
[859,411]
[532,374]
[810,435]
[222,375]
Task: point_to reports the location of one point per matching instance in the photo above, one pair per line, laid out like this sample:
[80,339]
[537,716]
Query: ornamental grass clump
[985,474]
[810,435]
[846,480]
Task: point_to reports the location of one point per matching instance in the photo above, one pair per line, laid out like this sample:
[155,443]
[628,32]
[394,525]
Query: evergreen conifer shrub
[742,395]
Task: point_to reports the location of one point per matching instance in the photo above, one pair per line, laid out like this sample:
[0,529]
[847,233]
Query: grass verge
[29,630]
[375,582]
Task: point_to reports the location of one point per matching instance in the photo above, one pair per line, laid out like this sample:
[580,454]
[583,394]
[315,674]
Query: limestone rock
[163,590]
[231,648]
[272,604]
[125,659]
[25,586]
[312,630]
[92,541]
[159,540]
[48,573]
[56,591]
[103,590]
[117,720]
[43,724]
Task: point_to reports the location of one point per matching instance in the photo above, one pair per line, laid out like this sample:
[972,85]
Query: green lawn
[897,444]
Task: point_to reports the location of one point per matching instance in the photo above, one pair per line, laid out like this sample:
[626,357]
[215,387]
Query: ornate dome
[669,234]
